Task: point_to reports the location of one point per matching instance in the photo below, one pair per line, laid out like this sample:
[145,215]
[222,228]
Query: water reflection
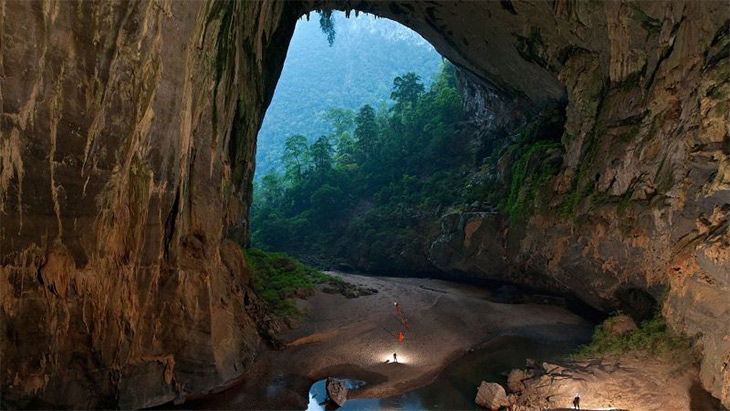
[456,386]
[317,395]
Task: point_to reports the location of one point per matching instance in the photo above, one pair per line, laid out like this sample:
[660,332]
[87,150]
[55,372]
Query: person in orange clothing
[401,337]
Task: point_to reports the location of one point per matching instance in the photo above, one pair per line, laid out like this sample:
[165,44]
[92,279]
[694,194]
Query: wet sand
[353,338]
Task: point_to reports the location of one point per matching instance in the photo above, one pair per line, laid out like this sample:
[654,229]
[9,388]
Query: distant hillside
[359,68]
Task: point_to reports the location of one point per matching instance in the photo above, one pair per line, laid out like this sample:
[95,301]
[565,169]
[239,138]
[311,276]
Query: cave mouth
[325,146]
[337,65]
[127,151]
[363,191]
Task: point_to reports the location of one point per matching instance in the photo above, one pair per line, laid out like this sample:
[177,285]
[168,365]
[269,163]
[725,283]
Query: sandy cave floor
[353,338]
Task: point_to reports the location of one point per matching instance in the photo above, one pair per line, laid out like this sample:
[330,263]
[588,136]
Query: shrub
[652,339]
[277,278]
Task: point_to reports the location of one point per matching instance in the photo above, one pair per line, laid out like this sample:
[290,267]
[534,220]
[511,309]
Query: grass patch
[532,166]
[652,339]
[528,175]
[278,278]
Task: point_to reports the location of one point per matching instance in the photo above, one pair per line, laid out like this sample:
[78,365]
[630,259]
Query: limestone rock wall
[644,178]
[126,158]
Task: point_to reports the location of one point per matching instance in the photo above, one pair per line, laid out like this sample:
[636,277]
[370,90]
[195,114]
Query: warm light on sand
[402,359]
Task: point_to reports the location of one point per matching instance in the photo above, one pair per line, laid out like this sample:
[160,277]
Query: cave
[128,135]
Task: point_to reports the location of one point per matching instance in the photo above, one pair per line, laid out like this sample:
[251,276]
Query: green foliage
[341,119]
[376,180]
[581,187]
[295,157]
[321,154]
[224,9]
[278,278]
[536,157]
[327,24]
[652,339]
[407,90]
[528,176]
[357,69]
[720,109]
[366,132]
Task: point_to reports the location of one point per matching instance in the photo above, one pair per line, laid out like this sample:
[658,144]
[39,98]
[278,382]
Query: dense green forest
[356,69]
[371,178]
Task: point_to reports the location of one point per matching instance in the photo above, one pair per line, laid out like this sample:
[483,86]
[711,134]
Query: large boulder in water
[336,391]
[491,396]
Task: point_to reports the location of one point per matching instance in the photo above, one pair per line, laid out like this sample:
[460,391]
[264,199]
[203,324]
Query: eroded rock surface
[491,396]
[336,391]
[128,132]
[125,160]
[627,384]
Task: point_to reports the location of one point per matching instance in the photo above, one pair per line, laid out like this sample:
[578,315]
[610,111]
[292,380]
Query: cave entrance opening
[361,146]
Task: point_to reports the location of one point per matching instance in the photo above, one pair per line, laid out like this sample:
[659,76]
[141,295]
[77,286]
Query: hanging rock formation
[127,141]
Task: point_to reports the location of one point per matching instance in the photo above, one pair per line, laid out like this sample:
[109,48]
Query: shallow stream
[456,386]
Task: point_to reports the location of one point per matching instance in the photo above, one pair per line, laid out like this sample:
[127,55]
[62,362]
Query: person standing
[576,402]
[395,357]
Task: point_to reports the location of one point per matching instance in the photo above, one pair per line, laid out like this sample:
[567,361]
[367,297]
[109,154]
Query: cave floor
[353,338]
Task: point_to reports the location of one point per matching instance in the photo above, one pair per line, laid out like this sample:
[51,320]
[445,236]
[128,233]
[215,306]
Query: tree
[321,154]
[295,157]
[341,119]
[270,189]
[446,77]
[407,89]
[392,171]
[366,132]
[345,151]
[327,203]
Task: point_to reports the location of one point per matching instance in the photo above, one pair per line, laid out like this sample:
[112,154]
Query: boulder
[516,378]
[620,325]
[552,368]
[491,396]
[336,391]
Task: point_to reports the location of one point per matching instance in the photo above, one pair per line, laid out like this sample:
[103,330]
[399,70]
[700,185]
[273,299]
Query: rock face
[626,384]
[127,139]
[125,161]
[336,391]
[491,396]
[639,210]
[620,325]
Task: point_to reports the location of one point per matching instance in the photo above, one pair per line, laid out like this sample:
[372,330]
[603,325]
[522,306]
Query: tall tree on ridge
[366,132]
[321,152]
[295,157]
[407,89]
